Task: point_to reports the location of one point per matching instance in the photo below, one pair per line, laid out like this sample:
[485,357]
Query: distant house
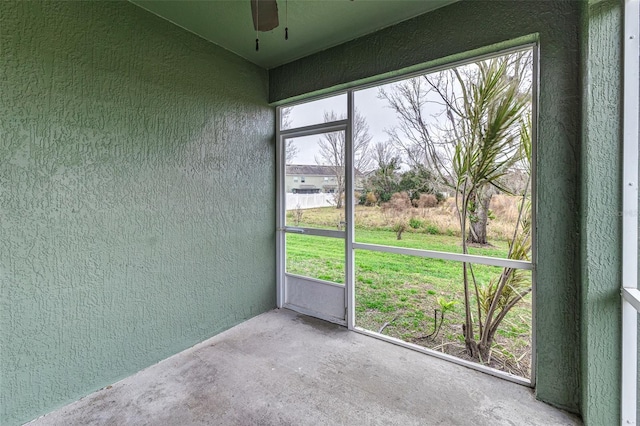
[314,179]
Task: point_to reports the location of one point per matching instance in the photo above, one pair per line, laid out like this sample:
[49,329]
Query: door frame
[330,298]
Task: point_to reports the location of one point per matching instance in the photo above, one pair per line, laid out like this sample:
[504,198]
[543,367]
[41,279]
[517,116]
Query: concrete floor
[282,368]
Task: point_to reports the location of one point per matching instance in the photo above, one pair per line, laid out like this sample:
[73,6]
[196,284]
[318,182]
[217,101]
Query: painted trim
[632,296]
[630,293]
[305,100]
[350,278]
[280,213]
[629,377]
[535,102]
[315,129]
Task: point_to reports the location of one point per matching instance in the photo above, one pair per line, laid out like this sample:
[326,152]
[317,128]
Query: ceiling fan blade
[265,14]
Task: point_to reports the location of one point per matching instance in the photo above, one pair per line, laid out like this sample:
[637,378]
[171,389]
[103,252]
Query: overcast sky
[379,117]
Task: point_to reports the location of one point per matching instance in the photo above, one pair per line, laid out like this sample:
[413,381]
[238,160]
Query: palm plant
[484,136]
[491,139]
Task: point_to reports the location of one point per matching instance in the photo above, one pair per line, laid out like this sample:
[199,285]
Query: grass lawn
[401,292]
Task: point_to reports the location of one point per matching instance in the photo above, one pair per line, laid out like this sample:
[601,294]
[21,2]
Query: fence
[309,201]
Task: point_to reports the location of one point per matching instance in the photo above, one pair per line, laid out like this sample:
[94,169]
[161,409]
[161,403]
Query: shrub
[384,197]
[427,201]
[415,223]
[399,228]
[397,205]
[432,229]
[400,201]
[370,199]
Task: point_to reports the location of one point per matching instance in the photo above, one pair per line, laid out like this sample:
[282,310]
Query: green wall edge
[601,204]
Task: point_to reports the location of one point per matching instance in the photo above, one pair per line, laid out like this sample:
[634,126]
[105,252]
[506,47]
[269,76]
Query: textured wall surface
[601,223]
[136,197]
[474,25]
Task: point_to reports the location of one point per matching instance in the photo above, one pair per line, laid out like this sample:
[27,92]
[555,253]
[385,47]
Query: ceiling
[314,25]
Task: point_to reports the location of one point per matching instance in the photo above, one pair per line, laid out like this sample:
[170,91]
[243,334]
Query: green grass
[316,257]
[403,290]
[425,241]
[427,237]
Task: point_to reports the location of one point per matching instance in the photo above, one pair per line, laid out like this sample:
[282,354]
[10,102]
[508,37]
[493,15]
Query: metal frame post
[631,93]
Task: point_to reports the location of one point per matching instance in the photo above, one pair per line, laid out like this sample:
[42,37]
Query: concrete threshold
[284,368]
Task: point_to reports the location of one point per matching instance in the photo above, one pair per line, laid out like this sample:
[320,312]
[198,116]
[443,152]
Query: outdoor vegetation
[406,292]
[453,175]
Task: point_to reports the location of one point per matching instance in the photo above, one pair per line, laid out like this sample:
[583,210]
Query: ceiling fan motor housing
[265,14]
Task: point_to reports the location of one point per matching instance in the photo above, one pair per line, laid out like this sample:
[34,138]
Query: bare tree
[477,133]
[290,150]
[383,154]
[332,150]
[437,111]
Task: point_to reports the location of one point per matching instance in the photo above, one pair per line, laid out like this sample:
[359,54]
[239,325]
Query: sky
[379,117]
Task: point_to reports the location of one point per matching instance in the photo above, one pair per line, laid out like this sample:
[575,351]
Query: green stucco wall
[136,197]
[463,27]
[601,212]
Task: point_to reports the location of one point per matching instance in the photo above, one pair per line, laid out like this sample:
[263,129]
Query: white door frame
[318,298]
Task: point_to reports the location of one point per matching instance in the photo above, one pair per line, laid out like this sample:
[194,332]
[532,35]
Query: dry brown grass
[443,217]
[505,212]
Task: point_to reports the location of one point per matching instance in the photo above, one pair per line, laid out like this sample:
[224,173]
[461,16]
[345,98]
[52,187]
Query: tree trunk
[337,196]
[478,351]
[479,216]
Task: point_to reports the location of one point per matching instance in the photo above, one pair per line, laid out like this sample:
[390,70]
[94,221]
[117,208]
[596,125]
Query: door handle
[294,230]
